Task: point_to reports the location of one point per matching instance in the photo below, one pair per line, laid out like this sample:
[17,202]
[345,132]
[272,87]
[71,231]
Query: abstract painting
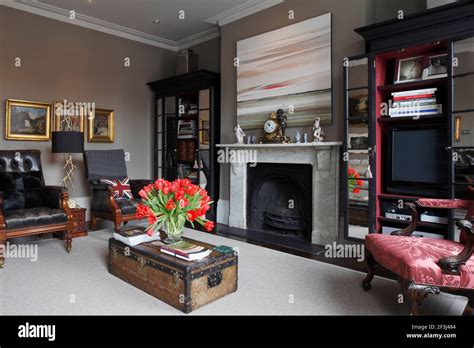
[287,68]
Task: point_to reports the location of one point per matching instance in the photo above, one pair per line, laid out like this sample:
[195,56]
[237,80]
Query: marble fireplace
[289,161]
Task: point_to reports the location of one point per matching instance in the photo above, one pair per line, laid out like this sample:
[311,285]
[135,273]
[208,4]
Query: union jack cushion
[121,188]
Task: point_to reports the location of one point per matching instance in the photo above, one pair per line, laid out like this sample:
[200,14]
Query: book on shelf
[416,110]
[186,251]
[419,102]
[135,235]
[186,129]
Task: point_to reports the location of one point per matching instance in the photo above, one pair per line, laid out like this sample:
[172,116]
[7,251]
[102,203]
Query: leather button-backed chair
[27,205]
[426,265]
[110,165]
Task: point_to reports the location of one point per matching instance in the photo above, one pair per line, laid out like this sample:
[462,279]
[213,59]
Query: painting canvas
[288,68]
[101,127]
[64,121]
[28,120]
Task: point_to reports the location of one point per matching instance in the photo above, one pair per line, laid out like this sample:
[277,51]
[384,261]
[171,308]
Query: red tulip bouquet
[171,204]
[354,181]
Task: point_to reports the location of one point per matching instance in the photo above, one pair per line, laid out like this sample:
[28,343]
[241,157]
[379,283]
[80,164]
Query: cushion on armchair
[415,259]
[121,188]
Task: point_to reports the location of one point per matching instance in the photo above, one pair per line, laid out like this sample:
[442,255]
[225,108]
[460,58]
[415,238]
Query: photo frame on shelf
[437,66]
[409,69]
[27,120]
[186,129]
[101,126]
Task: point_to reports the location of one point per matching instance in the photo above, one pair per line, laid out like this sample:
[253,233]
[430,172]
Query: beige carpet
[270,283]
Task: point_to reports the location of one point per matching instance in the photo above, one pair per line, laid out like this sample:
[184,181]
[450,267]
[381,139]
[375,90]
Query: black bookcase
[446,30]
[187,128]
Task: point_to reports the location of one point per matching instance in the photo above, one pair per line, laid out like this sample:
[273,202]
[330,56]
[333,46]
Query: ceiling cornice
[53,12]
[241,11]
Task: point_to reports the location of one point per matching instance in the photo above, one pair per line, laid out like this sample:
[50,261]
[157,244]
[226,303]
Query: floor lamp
[67,143]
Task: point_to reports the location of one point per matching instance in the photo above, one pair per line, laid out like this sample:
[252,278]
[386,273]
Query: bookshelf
[432,51]
[186,128]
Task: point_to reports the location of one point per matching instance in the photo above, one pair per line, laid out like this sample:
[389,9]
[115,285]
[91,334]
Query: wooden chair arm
[407,231]
[113,204]
[65,205]
[450,264]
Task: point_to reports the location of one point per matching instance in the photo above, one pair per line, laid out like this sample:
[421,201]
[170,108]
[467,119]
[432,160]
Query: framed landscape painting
[101,127]
[27,120]
[288,68]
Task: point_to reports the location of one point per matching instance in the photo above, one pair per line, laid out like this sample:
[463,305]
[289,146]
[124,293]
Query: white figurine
[239,134]
[298,137]
[317,131]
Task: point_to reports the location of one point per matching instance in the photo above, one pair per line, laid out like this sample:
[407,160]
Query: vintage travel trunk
[185,285]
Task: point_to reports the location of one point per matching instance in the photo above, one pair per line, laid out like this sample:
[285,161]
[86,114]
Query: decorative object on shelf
[354,181]
[437,67]
[27,120]
[368,172]
[305,137]
[249,139]
[69,116]
[409,69]
[186,129]
[254,139]
[67,143]
[318,132]
[239,134]
[274,129]
[298,72]
[204,132]
[298,138]
[101,126]
[172,204]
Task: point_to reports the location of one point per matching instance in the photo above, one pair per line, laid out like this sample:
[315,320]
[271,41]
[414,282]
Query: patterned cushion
[414,259]
[121,188]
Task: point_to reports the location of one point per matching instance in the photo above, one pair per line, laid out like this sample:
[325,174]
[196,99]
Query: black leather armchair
[110,165]
[27,205]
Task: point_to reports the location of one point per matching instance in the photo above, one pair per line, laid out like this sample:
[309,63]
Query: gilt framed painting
[101,126]
[27,120]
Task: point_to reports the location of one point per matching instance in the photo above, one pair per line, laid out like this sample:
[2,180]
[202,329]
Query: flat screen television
[417,161]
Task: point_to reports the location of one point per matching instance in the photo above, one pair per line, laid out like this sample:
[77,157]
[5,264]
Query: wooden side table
[80,227]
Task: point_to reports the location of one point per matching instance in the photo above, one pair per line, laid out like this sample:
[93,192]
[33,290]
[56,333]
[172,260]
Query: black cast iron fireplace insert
[279,199]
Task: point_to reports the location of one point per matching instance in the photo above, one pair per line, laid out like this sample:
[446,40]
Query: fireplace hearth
[280,199]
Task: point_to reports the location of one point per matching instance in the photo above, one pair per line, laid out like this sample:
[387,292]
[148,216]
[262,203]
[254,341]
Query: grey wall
[346,15]
[62,61]
[209,54]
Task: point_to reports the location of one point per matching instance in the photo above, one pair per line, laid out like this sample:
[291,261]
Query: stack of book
[420,102]
[186,129]
[135,235]
[186,251]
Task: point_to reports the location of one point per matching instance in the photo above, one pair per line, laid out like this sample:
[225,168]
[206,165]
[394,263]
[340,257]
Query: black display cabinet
[440,40]
[187,128]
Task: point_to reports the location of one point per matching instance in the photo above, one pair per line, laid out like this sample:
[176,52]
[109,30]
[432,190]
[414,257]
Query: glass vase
[174,234]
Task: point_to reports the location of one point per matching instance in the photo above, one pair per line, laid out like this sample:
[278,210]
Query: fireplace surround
[324,161]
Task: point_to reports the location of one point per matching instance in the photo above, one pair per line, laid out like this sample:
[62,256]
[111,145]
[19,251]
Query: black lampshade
[68,142]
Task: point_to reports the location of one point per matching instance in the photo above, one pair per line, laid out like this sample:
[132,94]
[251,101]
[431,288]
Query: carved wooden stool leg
[370,262]
[417,293]
[68,240]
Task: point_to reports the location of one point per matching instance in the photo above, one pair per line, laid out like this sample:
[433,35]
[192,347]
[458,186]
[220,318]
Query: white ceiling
[133,19]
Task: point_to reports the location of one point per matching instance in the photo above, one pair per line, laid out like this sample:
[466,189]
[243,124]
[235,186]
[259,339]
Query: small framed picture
[204,132]
[101,126]
[409,69]
[69,117]
[437,66]
[27,120]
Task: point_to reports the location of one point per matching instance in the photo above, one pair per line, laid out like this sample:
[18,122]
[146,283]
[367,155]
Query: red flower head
[179,194]
[183,203]
[356,191]
[165,189]
[209,226]
[360,183]
[351,171]
[191,189]
[192,215]
[159,184]
[151,218]
[173,187]
[170,205]
[142,211]
[143,194]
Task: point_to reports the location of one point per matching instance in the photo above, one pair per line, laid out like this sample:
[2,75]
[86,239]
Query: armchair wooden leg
[117,226]
[3,242]
[370,262]
[417,293]
[68,240]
